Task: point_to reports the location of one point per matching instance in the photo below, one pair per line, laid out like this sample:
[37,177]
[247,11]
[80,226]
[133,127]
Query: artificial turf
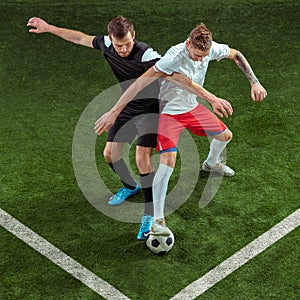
[46,83]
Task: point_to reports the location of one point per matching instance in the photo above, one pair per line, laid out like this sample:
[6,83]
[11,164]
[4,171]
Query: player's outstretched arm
[258,92]
[41,26]
[108,119]
[220,106]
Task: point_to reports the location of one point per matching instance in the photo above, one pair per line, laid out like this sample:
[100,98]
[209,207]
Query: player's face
[194,53]
[123,46]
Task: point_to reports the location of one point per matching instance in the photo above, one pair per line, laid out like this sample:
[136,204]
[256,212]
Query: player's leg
[217,146]
[169,130]
[143,161]
[160,187]
[113,155]
[147,138]
[203,122]
[146,170]
[118,135]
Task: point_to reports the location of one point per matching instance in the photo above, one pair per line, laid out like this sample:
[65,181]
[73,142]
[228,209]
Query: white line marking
[58,257]
[192,291]
[234,262]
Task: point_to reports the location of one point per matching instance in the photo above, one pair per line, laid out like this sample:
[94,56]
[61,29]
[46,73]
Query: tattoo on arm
[243,64]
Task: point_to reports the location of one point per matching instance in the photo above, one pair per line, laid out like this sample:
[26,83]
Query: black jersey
[126,69]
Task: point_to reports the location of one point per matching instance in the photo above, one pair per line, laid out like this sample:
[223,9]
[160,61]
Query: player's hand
[221,107]
[104,122]
[39,24]
[258,92]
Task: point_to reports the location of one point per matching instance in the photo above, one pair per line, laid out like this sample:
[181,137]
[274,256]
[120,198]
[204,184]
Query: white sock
[216,148]
[160,186]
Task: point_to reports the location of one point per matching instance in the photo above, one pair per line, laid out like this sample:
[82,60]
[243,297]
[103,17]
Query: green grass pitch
[46,83]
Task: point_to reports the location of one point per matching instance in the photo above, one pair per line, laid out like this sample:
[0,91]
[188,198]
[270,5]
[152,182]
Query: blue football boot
[145,227]
[122,195]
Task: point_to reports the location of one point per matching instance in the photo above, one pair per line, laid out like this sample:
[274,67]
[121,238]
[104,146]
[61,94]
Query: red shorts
[200,121]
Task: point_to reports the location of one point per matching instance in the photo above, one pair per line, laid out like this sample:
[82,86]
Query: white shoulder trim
[107,41]
[150,54]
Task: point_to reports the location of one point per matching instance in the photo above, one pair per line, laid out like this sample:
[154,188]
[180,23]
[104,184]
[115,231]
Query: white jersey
[174,99]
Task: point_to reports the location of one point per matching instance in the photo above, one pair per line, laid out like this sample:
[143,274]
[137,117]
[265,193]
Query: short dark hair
[119,27]
[201,38]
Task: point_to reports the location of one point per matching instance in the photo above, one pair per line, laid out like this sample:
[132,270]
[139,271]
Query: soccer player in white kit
[179,109]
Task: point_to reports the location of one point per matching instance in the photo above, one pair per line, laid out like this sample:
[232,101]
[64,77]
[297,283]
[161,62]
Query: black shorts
[127,127]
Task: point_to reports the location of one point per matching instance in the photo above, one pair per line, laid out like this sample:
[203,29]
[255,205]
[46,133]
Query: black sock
[120,168]
[146,183]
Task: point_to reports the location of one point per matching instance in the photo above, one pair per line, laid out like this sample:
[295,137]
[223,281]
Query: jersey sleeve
[149,58]
[168,63]
[150,54]
[219,51]
[101,42]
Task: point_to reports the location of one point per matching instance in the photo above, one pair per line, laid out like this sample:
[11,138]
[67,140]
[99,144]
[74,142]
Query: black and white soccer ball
[160,244]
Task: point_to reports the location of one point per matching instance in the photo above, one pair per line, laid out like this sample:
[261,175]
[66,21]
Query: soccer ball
[160,244]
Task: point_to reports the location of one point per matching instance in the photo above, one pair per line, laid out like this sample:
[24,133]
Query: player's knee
[143,162]
[143,165]
[107,155]
[168,158]
[227,135]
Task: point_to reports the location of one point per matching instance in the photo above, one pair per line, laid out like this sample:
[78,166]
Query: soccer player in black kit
[128,60]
